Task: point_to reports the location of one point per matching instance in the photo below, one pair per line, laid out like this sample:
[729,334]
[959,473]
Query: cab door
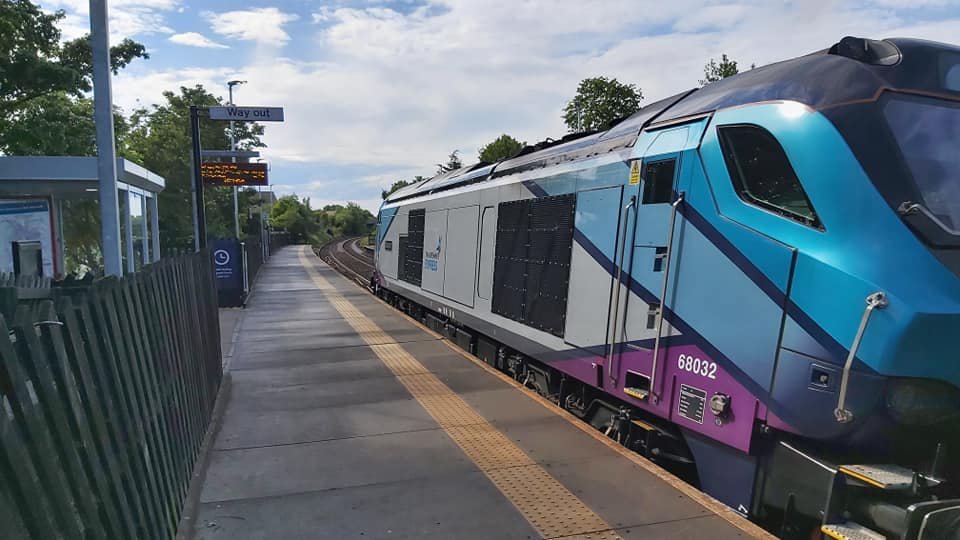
[639,329]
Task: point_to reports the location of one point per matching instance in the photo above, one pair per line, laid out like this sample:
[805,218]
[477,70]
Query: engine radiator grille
[532,261]
[412,251]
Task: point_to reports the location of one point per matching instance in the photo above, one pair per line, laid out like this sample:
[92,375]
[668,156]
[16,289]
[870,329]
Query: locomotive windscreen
[927,131]
[532,261]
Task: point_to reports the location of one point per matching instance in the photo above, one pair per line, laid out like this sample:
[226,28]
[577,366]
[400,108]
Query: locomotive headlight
[921,401]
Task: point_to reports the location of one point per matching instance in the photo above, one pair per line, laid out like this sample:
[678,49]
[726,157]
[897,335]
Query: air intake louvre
[413,251]
[532,263]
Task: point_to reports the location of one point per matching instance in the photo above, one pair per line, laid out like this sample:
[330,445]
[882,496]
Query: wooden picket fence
[107,391]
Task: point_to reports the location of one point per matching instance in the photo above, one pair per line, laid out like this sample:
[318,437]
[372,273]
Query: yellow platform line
[550,507]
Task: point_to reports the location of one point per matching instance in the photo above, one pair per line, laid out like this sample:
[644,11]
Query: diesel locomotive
[755,283]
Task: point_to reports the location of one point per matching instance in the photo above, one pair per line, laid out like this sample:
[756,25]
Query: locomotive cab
[865,192]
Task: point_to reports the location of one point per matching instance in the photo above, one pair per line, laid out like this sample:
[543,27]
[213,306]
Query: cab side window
[762,174]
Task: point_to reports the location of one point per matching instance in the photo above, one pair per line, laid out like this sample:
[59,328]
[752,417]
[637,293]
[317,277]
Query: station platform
[346,419]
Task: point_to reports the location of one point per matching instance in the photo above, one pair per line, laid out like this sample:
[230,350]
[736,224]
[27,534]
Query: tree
[56,124]
[159,139]
[503,147]
[33,63]
[400,184]
[599,102]
[713,71]
[395,186]
[293,215]
[77,54]
[453,163]
[352,220]
[29,48]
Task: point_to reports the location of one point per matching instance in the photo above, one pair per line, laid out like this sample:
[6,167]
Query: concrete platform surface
[348,420]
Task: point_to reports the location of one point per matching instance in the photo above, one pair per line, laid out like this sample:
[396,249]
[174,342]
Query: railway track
[348,257]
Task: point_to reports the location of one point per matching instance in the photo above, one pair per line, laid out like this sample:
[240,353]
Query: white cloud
[128,18]
[194,39]
[134,88]
[913,4]
[263,25]
[712,18]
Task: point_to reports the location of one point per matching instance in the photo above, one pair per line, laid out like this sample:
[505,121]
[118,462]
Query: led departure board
[234,174]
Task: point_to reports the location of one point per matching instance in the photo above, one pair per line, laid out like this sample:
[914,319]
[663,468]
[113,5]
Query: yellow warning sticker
[635,173]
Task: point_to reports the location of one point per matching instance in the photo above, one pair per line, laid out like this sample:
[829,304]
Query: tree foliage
[713,71]
[503,147]
[56,124]
[599,102]
[294,215]
[453,163]
[34,63]
[399,184]
[351,219]
[77,54]
[81,233]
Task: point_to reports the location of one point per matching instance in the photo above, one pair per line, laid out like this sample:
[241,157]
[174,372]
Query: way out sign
[247,114]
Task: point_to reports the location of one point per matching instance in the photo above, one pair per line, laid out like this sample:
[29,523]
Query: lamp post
[233,146]
[106,145]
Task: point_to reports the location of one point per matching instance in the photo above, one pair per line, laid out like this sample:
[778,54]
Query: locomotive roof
[852,70]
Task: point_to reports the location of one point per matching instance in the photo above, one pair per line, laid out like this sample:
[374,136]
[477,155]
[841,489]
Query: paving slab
[442,507]
[295,468]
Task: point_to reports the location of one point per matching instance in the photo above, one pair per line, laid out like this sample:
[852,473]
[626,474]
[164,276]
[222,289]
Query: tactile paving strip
[551,508]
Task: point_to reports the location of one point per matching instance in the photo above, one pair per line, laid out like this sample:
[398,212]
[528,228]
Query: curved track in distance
[347,256]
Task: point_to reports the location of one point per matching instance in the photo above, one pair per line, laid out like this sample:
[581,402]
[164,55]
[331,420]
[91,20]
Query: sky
[380,90]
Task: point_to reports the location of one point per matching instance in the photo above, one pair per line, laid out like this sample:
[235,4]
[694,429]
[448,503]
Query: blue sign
[228,268]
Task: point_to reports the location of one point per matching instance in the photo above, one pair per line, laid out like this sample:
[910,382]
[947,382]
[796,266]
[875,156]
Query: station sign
[233,174]
[247,114]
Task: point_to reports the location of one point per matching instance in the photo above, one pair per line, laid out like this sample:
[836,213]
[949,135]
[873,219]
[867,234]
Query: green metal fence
[107,392]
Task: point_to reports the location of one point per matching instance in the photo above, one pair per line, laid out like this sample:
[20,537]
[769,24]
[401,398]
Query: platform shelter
[33,190]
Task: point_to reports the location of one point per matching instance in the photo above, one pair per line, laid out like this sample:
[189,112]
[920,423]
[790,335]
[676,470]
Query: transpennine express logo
[431,259]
